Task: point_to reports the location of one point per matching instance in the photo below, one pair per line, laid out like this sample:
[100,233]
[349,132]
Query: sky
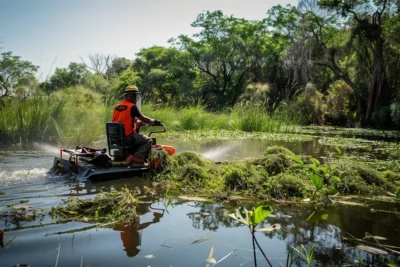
[53,33]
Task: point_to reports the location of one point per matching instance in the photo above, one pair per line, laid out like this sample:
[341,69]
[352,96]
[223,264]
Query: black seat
[116,139]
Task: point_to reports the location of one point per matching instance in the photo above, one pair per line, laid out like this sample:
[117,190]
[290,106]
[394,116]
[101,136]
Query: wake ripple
[8,178]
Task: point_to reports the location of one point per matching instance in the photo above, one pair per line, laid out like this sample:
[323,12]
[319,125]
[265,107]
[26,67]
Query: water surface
[167,227]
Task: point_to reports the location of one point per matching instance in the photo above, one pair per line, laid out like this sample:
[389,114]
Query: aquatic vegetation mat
[349,132]
[117,206]
[199,135]
[278,174]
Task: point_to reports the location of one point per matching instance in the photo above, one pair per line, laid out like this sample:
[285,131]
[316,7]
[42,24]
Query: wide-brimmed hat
[131,89]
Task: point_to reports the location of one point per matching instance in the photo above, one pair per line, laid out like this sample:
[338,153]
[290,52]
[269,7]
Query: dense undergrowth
[277,174]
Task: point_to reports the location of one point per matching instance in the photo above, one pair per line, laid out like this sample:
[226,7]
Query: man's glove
[157,122]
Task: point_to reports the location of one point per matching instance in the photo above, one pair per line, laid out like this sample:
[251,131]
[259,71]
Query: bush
[337,103]
[310,104]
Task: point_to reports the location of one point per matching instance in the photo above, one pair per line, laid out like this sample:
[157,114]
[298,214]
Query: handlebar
[160,131]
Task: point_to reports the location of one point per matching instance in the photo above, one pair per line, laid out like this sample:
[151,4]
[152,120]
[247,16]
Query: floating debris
[270,228]
[225,257]
[199,240]
[117,206]
[372,250]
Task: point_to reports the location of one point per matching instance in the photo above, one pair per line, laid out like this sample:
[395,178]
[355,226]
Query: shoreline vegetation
[78,116]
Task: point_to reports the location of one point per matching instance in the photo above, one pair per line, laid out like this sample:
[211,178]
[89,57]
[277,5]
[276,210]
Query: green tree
[118,65]
[326,38]
[166,74]
[126,78]
[367,18]
[14,73]
[285,72]
[225,52]
[66,77]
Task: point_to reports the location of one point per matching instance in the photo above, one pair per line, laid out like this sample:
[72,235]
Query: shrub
[310,105]
[337,103]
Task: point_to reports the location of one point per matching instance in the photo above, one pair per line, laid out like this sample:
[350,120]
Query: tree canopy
[330,61]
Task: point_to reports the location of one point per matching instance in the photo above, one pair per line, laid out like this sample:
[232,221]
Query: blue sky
[53,33]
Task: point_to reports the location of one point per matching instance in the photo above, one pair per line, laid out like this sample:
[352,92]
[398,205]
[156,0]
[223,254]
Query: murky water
[166,229]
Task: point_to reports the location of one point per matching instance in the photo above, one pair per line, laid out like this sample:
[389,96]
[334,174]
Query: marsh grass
[24,121]
[77,115]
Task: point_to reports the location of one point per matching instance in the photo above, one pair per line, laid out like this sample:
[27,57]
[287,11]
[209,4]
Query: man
[128,112]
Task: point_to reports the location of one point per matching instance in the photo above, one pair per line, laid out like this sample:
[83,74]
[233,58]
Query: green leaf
[338,150]
[298,160]
[259,214]
[324,169]
[310,217]
[314,168]
[336,178]
[397,191]
[317,181]
[332,191]
[316,161]
[238,217]
[324,216]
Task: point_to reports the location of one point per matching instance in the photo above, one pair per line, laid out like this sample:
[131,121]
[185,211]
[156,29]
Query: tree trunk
[379,91]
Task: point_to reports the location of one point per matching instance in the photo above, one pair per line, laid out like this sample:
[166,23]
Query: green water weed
[305,254]
[116,206]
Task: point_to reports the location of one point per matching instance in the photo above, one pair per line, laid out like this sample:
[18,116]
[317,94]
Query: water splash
[8,178]
[219,153]
[49,149]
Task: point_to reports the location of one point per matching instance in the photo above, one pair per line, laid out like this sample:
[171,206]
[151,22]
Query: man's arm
[146,119]
[135,113]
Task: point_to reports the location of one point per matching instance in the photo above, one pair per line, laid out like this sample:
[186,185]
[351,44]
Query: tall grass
[84,118]
[75,116]
[24,121]
[188,118]
[78,116]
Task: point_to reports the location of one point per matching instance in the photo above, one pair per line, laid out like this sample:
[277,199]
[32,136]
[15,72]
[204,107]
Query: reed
[28,120]
[78,116]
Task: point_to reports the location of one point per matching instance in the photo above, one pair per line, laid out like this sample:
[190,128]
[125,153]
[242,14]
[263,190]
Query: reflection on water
[169,235]
[131,235]
[169,231]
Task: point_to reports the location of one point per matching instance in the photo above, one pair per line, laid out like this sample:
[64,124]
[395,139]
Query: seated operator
[128,112]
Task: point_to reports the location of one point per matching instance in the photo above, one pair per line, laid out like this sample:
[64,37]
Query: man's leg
[144,145]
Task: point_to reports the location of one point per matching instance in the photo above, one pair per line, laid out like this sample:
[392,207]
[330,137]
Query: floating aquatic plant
[117,206]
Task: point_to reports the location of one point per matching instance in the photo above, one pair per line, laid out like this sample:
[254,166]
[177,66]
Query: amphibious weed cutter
[95,164]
